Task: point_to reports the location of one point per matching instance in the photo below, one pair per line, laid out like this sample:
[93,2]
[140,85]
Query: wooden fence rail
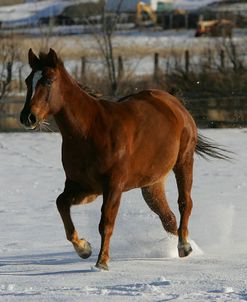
[184,63]
[219,112]
[208,112]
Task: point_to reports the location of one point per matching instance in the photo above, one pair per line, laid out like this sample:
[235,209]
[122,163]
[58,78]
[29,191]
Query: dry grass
[74,47]
[10,2]
[203,69]
[67,47]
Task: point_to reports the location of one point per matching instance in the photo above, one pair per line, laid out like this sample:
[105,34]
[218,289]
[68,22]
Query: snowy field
[38,264]
[137,49]
[29,13]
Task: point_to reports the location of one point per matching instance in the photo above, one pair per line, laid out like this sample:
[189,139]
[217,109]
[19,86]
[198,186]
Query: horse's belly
[148,173]
[150,166]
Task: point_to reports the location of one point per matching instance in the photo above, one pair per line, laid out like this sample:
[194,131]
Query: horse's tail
[207,148]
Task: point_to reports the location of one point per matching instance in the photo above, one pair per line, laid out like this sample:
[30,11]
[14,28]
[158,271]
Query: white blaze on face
[36,77]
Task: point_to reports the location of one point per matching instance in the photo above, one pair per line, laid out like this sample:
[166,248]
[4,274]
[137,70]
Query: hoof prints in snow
[133,289]
[17,291]
[225,295]
[161,289]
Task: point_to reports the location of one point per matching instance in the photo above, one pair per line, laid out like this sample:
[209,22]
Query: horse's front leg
[72,195]
[111,201]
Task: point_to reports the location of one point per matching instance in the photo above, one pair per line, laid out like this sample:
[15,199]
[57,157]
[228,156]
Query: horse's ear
[32,59]
[52,58]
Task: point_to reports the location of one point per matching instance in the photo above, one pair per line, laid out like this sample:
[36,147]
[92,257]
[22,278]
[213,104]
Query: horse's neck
[78,112]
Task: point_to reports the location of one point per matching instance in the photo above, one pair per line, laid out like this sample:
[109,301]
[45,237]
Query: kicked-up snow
[38,264]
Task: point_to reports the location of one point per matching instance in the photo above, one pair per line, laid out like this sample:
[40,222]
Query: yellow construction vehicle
[215,28]
[142,10]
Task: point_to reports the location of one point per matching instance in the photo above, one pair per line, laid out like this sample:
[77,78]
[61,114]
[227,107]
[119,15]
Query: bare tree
[233,52]
[46,32]
[104,41]
[9,53]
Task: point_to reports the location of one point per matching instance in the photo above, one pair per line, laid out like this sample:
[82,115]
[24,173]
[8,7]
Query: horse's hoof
[83,249]
[102,266]
[184,250]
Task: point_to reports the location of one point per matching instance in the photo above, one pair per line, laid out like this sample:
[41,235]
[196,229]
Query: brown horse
[112,147]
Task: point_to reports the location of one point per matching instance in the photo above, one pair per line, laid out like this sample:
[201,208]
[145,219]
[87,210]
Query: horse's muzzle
[28,120]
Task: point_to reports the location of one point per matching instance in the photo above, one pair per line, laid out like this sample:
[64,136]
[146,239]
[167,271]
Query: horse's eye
[48,82]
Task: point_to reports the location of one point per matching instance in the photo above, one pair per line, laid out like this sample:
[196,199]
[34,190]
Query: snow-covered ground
[130,5]
[38,264]
[29,13]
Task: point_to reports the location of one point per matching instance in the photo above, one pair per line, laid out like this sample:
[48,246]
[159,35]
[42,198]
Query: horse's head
[42,89]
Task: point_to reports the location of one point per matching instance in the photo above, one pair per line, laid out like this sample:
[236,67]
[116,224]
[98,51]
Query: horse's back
[151,125]
[154,109]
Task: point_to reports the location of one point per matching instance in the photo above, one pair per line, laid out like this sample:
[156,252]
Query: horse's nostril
[32,119]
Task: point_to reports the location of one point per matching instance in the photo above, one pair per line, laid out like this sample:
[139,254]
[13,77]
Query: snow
[130,5]
[192,4]
[38,264]
[30,13]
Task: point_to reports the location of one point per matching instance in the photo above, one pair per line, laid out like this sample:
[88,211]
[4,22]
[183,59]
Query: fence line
[219,112]
[184,62]
[208,112]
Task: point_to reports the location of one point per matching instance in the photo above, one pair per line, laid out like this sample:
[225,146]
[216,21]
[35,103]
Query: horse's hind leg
[184,173]
[155,198]
[72,195]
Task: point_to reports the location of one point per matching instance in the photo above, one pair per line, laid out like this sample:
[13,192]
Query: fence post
[209,58]
[156,65]
[75,72]
[187,61]
[171,21]
[20,79]
[234,57]
[83,68]
[222,59]
[168,66]
[120,68]
[186,21]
